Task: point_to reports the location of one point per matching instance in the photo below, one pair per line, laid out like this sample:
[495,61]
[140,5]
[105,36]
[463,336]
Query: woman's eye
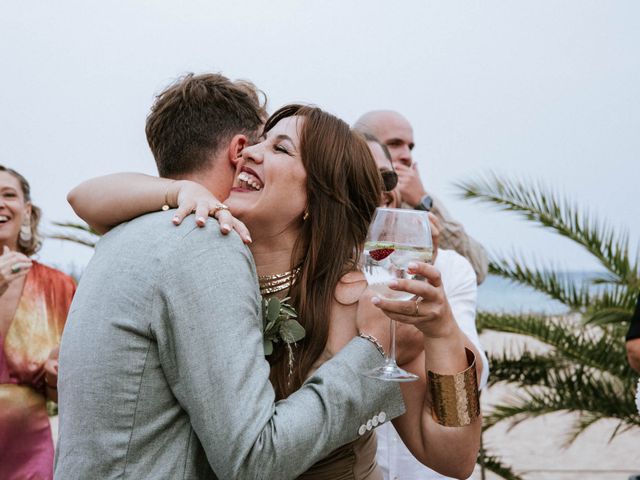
[280,148]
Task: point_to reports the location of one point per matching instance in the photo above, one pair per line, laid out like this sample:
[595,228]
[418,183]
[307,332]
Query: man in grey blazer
[162,372]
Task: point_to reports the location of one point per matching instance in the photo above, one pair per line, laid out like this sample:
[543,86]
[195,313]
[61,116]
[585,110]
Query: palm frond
[578,391]
[524,368]
[586,346]
[613,304]
[541,205]
[76,226]
[496,466]
[582,423]
[74,232]
[557,286]
[73,239]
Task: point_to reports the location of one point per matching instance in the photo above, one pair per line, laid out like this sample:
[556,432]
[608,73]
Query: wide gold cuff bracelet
[455,401]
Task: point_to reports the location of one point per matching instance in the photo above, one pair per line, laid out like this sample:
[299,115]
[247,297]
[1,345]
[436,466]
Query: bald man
[395,131]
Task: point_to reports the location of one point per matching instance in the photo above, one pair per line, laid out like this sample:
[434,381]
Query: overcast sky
[544,90]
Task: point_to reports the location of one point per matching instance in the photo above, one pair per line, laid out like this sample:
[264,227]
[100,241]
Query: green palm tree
[584,370]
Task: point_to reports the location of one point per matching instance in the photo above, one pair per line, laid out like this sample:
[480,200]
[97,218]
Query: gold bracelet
[455,401]
[373,340]
[166,206]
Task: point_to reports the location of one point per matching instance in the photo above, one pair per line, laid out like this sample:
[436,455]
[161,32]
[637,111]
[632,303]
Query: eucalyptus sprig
[279,324]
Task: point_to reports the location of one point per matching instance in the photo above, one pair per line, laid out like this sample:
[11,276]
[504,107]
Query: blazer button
[362,430]
[369,424]
[382,417]
[375,422]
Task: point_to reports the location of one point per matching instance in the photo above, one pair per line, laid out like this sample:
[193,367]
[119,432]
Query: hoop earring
[305,216]
[24,239]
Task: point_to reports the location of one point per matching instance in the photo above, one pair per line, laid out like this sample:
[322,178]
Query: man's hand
[410,184]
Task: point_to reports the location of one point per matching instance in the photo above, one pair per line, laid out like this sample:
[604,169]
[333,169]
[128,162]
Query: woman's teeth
[4,218]
[249,180]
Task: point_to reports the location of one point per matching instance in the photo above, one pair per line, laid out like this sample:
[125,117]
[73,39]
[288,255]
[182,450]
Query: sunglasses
[389,179]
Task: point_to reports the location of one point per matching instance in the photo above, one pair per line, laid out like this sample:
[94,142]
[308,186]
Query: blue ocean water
[497,294]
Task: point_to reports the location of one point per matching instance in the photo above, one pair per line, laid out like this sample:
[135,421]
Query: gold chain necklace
[276,283]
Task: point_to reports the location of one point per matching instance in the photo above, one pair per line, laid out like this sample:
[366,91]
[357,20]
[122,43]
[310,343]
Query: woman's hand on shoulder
[192,197]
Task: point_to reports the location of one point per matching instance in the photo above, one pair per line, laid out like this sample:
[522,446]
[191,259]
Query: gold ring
[217,208]
[416,313]
[15,268]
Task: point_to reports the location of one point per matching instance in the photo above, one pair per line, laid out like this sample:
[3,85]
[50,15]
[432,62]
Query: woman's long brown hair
[343,191]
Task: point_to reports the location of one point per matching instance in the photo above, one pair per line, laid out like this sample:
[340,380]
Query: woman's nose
[252,154]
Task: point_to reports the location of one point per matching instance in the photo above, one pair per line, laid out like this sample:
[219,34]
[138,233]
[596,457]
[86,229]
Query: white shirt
[459,281]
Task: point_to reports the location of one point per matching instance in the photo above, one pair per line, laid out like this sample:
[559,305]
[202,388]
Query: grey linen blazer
[162,372]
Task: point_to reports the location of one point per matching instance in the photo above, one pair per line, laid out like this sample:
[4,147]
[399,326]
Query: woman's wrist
[446,354]
[441,329]
[171,192]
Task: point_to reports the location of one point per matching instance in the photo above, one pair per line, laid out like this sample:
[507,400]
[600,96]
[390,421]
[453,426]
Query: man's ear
[236,145]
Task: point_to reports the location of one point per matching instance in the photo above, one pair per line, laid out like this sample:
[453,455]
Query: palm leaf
[543,206]
[613,304]
[557,286]
[83,227]
[79,233]
[583,345]
[496,466]
[524,368]
[599,397]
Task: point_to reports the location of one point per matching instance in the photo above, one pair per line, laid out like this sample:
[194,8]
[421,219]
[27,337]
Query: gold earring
[305,216]
[24,238]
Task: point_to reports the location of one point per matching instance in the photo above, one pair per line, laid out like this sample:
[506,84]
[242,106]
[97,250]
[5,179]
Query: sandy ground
[534,448]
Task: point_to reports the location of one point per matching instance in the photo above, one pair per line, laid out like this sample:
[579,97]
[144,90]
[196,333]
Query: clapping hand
[13,265]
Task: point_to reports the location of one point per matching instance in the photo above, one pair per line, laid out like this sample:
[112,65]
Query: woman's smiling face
[269,193]
[13,209]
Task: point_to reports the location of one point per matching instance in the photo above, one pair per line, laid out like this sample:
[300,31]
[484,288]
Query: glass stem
[392,350]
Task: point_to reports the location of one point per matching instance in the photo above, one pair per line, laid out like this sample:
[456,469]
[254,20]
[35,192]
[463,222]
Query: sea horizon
[498,294]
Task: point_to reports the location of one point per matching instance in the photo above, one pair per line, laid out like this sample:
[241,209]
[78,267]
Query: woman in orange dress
[34,301]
